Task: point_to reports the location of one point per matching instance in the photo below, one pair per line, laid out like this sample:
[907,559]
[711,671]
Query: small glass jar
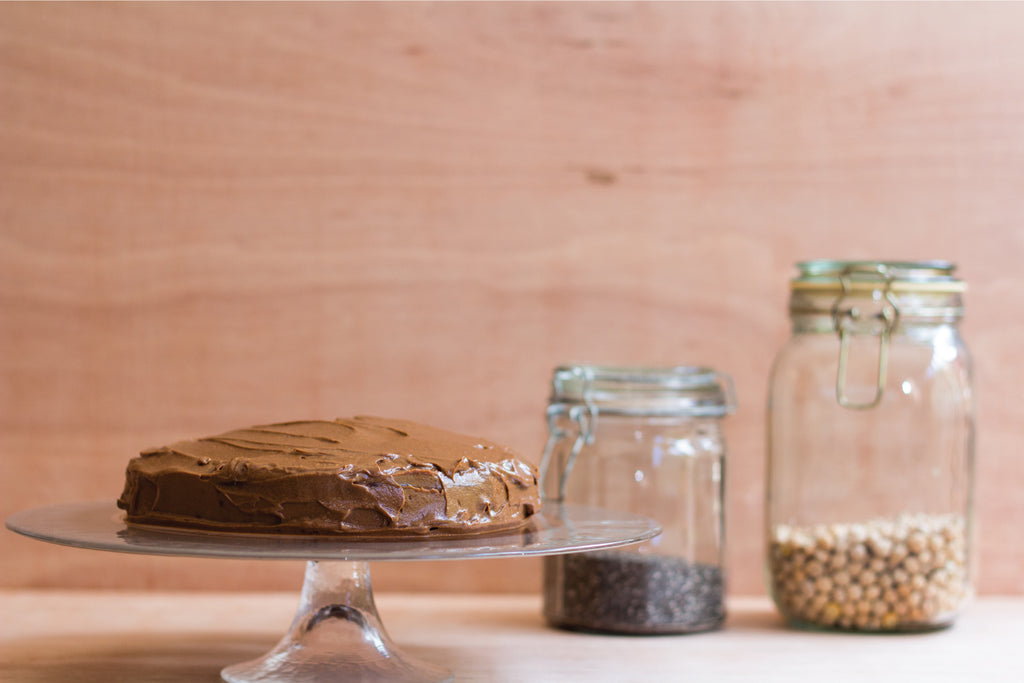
[870,449]
[648,441]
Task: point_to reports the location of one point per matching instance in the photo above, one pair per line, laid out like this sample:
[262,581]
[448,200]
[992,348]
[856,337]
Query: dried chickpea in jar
[870,449]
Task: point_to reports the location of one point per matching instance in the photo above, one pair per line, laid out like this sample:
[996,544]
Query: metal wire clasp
[842,320]
[584,419]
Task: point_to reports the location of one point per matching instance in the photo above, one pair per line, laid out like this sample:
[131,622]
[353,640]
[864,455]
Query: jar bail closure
[583,392]
[845,321]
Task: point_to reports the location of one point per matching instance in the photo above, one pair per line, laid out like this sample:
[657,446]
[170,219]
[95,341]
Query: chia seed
[622,592]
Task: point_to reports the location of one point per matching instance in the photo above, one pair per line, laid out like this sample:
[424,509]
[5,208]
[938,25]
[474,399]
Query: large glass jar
[643,440]
[870,449]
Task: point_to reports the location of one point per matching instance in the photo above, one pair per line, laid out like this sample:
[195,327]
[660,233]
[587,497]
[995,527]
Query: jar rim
[640,390]
[934,276]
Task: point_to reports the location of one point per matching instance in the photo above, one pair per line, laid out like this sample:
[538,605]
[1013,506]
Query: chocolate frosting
[365,475]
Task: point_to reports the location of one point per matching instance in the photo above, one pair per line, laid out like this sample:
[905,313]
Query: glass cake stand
[337,634]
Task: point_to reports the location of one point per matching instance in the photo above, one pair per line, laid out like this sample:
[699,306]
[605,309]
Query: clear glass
[669,467]
[869,504]
[337,633]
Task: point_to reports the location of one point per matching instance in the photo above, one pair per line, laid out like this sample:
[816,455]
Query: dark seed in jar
[624,592]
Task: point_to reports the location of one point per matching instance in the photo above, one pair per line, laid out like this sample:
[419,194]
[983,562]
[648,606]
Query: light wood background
[214,215]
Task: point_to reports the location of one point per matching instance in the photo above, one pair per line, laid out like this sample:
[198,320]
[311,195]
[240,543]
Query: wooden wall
[214,215]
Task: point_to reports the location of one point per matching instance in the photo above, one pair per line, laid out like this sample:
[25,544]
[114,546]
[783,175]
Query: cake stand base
[336,636]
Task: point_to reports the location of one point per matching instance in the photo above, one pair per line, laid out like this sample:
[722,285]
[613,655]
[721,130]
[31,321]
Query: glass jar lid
[865,276]
[914,290]
[624,390]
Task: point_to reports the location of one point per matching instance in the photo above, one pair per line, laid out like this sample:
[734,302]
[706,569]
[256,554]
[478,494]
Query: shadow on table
[754,620]
[129,657]
[135,658]
[528,618]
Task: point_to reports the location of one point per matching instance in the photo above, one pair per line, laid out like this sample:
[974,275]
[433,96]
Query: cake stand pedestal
[337,634]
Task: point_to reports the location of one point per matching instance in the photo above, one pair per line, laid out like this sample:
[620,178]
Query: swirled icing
[363,476]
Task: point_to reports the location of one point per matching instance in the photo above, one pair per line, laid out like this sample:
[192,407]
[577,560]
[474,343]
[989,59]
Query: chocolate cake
[363,476]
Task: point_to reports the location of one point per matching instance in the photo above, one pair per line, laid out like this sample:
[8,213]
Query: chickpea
[858,553]
[877,575]
[916,542]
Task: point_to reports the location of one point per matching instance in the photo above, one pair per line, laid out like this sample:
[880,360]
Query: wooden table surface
[158,636]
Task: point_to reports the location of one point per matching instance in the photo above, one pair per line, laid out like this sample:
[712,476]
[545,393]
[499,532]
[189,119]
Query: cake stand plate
[337,634]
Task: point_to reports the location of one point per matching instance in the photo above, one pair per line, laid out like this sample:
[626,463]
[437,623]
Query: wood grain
[214,215]
[100,636]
